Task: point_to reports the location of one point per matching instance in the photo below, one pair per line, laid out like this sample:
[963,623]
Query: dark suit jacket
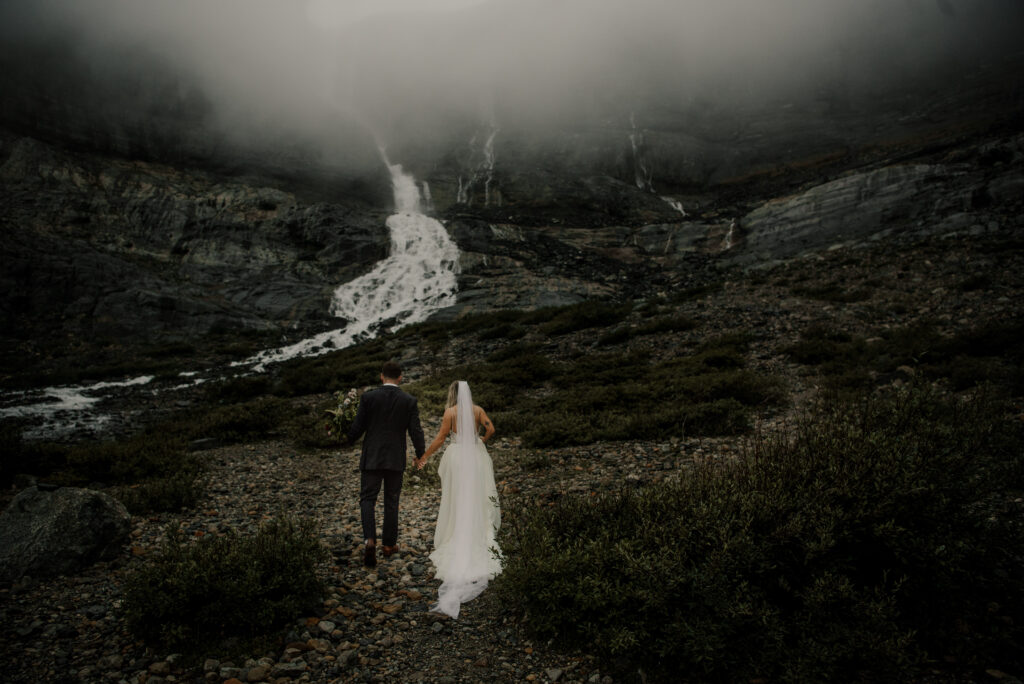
[386,414]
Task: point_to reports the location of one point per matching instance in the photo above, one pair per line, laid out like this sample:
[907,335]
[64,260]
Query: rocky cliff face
[104,247]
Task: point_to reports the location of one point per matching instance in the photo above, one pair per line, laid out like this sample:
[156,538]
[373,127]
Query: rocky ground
[375,624]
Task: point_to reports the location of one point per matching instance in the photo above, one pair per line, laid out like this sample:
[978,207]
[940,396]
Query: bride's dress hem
[466,554]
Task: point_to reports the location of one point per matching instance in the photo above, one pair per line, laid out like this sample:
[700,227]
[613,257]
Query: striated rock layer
[105,250]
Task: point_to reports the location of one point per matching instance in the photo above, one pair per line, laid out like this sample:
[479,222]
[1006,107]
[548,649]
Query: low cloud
[318,68]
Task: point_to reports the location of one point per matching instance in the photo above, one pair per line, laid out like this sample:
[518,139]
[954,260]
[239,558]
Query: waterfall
[481,163]
[415,280]
[675,204]
[729,240]
[642,173]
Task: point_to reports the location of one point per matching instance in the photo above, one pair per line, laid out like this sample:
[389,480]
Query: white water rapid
[417,279]
[62,409]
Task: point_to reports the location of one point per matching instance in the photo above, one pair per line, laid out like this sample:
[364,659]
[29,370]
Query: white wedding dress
[466,554]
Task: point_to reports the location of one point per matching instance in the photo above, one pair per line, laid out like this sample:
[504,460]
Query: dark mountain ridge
[127,243]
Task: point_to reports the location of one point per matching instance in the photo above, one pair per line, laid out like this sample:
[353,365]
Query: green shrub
[238,422]
[666,324]
[613,396]
[165,494]
[585,315]
[871,539]
[142,456]
[196,594]
[355,366]
[695,292]
[515,351]
[616,336]
[503,331]
[239,389]
[993,353]
[980,281]
[833,292]
[18,457]
[307,427]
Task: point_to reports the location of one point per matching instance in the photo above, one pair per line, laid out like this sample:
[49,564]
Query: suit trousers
[369,488]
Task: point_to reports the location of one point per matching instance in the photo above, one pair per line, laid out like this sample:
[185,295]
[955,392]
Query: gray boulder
[50,533]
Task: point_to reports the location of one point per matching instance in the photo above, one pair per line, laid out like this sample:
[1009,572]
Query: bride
[466,554]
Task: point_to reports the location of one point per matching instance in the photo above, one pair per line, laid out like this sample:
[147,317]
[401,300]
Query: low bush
[615,396]
[170,494]
[992,353]
[503,331]
[196,594]
[351,367]
[616,336]
[237,422]
[695,292]
[239,389]
[308,427]
[142,456]
[18,457]
[833,292]
[150,471]
[873,539]
[666,324]
[585,315]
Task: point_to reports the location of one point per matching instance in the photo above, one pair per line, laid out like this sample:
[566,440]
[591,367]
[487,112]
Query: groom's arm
[416,430]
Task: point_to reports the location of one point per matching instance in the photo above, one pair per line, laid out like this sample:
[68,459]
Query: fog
[319,70]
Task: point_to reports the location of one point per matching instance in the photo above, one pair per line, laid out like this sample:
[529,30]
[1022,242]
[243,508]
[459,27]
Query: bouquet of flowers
[341,417]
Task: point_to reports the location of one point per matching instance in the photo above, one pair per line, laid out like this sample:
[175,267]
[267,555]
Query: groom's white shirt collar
[389,384]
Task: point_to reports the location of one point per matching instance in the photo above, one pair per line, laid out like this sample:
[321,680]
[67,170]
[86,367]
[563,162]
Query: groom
[385,415]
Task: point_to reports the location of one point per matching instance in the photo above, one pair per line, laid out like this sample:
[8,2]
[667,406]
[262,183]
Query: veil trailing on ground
[464,544]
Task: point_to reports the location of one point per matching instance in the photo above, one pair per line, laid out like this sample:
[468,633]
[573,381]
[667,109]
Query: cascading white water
[729,240]
[642,173]
[675,204]
[417,279]
[489,166]
[58,410]
[481,160]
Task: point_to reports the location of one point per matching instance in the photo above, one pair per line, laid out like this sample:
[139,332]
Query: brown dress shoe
[370,555]
[389,550]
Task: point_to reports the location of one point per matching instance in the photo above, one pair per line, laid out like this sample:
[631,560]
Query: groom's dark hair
[392,370]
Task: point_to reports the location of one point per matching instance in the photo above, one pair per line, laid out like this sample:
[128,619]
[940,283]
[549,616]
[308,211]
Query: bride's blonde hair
[453,394]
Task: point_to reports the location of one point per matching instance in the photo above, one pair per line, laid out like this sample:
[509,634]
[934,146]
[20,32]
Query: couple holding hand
[465,554]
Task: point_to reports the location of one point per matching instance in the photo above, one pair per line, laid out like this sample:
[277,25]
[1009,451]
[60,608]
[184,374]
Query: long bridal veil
[465,552]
